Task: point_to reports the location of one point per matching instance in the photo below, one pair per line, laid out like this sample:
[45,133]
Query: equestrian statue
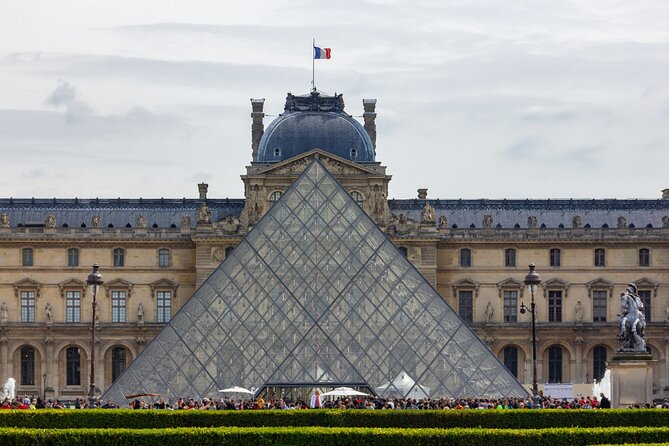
[632,320]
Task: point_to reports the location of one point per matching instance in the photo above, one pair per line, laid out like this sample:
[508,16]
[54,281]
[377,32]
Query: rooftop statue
[632,321]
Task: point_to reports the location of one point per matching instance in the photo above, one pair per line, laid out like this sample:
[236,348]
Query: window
[465,305]
[554,306]
[599,306]
[600,257]
[73,257]
[645,299]
[644,257]
[118,355]
[357,197]
[27,257]
[27,306]
[511,359]
[73,306]
[555,257]
[555,365]
[354,153]
[164,302]
[510,306]
[274,197]
[277,152]
[27,366]
[73,364]
[598,363]
[119,257]
[118,306]
[404,251]
[164,258]
[510,257]
[465,257]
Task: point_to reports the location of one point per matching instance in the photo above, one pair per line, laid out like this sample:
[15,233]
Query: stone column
[257,126]
[370,119]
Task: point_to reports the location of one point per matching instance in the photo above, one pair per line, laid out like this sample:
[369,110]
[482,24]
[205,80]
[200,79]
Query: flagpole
[313,65]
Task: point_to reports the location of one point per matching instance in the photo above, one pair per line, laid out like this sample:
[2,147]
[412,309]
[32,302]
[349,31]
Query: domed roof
[315,122]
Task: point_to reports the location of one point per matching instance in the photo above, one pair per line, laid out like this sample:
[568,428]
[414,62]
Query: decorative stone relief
[186,221]
[95,221]
[230,224]
[532,221]
[576,221]
[443,222]
[622,222]
[487,221]
[4,220]
[401,224]
[217,255]
[141,222]
[427,214]
[203,214]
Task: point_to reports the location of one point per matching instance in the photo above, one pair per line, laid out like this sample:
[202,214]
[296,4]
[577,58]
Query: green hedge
[309,436]
[507,419]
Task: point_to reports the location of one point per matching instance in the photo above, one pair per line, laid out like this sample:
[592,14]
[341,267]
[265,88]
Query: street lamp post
[44,385]
[532,280]
[94,279]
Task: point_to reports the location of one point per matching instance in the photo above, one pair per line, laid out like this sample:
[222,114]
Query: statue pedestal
[631,379]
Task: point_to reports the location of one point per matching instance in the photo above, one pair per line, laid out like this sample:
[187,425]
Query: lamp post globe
[532,280]
[95,280]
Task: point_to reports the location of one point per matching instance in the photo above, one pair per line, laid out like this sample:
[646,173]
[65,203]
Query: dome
[315,122]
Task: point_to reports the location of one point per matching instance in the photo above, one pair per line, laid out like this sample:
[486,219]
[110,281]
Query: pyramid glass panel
[317,296]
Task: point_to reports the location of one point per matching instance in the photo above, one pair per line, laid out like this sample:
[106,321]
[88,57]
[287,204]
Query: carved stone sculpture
[230,224]
[203,214]
[632,321]
[576,221]
[443,222]
[49,312]
[185,221]
[217,255]
[141,222]
[622,223]
[427,214]
[140,313]
[578,312]
[95,221]
[4,220]
[4,313]
[487,221]
[489,312]
[665,221]
[50,221]
[532,222]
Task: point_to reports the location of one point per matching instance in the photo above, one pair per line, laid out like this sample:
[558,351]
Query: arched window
[511,359]
[644,257]
[73,364]
[119,257]
[27,257]
[118,357]
[73,257]
[598,362]
[163,258]
[555,364]
[357,197]
[510,257]
[274,197]
[27,366]
[465,257]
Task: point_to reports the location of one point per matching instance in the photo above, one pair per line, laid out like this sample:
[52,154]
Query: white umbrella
[236,389]
[345,391]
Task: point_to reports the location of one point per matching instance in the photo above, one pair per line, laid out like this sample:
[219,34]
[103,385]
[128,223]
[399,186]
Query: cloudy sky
[476,99]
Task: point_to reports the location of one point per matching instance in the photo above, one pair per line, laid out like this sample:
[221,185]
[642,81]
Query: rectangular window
[599,306]
[645,299]
[73,306]
[510,257]
[118,306]
[465,306]
[164,301]
[510,306]
[644,257]
[555,257]
[600,257]
[465,257]
[119,257]
[27,257]
[27,306]
[73,257]
[554,306]
[164,258]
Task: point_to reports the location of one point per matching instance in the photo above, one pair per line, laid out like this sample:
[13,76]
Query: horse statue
[632,321]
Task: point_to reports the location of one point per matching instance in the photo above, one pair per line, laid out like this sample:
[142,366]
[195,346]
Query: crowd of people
[369,403]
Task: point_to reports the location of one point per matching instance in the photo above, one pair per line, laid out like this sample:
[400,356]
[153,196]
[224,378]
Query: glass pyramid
[316,295]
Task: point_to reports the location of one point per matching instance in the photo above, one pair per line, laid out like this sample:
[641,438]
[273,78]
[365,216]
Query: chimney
[257,126]
[202,188]
[422,194]
[370,119]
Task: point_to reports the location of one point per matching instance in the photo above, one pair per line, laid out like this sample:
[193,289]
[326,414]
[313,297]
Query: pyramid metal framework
[316,295]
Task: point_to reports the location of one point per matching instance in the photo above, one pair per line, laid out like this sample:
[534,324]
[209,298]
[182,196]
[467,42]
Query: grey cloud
[526,148]
[63,94]
[543,113]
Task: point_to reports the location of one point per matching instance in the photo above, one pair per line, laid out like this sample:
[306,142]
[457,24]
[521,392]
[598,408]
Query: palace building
[155,253]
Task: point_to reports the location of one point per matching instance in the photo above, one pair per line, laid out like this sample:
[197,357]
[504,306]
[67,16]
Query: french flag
[321,53]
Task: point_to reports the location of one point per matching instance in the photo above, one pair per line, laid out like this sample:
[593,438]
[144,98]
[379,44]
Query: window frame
[161,310]
[510,257]
[118,364]
[119,313]
[600,257]
[466,257]
[72,257]
[555,305]
[27,365]
[27,301]
[27,257]
[509,360]
[644,257]
[118,257]
[73,316]
[598,362]
[274,197]
[466,305]
[510,301]
[555,364]
[555,257]
[164,257]
[600,301]
[358,198]
[72,366]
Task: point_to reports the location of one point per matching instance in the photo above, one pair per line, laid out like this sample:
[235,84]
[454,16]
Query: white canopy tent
[236,389]
[345,391]
[403,385]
